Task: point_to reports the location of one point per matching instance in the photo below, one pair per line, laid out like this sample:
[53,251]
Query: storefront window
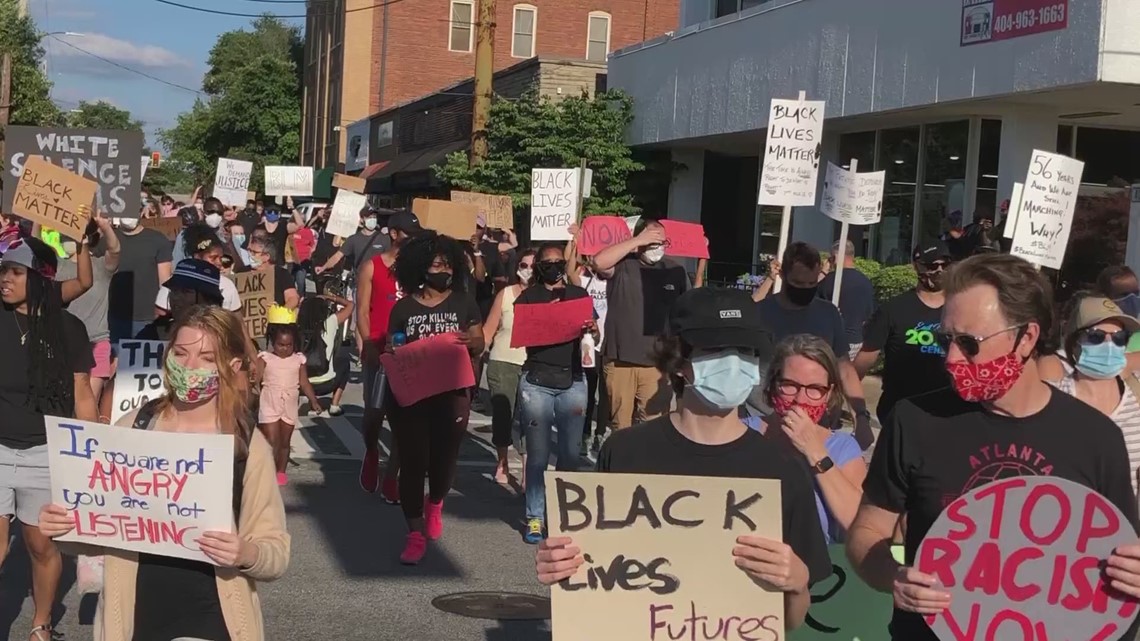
[1065,139]
[898,156]
[1112,156]
[944,182]
[861,147]
[988,166]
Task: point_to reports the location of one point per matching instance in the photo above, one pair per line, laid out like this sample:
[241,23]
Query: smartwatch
[823,465]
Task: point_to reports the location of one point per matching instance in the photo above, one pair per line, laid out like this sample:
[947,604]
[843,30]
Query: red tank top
[385,293]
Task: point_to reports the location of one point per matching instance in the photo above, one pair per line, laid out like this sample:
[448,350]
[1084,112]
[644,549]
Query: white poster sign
[231,182]
[144,164]
[139,377]
[345,217]
[288,181]
[141,490]
[791,153]
[851,197]
[554,195]
[1045,213]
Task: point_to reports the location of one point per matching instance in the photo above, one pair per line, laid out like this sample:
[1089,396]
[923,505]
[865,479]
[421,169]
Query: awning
[385,180]
[372,169]
[322,183]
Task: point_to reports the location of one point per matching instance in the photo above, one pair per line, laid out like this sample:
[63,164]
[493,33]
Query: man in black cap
[712,357]
[905,327]
[194,282]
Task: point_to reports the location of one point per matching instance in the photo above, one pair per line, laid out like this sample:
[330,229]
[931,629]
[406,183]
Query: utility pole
[484,78]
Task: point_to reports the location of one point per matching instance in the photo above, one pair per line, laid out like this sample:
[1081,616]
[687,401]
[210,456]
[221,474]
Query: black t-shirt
[135,285]
[454,314]
[914,363]
[937,447]
[159,329]
[656,447]
[639,297]
[856,300]
[22,426]
[566,355]
[280,236]
[177,598]
[249,220]
[485,291]
[820,318]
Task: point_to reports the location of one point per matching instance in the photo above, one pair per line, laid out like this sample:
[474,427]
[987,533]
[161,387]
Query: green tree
[253,106]
[535,132]
[102,115]
[31,102]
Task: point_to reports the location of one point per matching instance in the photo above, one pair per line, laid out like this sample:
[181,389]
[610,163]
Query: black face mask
[439,281]
[551,273]
[800,296]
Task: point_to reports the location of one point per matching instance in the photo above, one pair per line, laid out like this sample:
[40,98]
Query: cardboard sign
[1021,558]
[658,553]
[288,181]
[554,198]
[450,219]
[843,608]
[498,211]
[351,183]
[851,197]
[598,232]
[257,295]
[541,324]
[345,217]
[685,240]
[139,377]
[110,157]
[427,367]
[231,181]
[791,153]
[1045,213]
[168,227]
[141,490]
[53,197]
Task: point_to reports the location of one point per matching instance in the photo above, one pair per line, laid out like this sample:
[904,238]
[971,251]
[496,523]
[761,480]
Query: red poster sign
[993,20]
[541,324]
[599,232]
[427,367]
[686,240]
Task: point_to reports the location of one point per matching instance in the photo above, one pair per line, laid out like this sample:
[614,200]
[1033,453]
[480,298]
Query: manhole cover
[504,606]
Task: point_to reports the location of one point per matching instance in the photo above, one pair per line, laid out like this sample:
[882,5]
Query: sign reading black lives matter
[110,157]
[658,557]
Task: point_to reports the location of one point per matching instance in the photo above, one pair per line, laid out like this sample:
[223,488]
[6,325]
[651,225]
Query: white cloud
[139,56]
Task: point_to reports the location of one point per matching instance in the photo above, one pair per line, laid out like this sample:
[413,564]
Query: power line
[269,15]
[126,68]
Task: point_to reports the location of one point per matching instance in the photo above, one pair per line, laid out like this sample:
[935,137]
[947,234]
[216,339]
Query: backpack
[316,354]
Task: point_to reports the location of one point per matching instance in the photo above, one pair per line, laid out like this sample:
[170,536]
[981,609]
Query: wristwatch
[823,465]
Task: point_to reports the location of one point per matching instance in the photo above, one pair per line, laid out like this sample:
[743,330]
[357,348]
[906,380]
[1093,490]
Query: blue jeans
[540,411]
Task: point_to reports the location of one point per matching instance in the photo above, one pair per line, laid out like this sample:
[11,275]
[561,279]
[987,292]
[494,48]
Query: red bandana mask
[984,382]
[784,405]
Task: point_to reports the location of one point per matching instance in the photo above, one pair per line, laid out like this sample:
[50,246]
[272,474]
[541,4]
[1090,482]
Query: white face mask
[370,224]
[128,223]
[525,274]
[654,255]
[214,220]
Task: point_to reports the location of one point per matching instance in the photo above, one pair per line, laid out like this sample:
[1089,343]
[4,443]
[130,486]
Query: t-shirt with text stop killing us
[937,447]
[454,314]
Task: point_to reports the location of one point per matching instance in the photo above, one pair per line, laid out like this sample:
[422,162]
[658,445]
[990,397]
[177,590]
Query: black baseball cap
[930,251]
[719,318]
[406,222]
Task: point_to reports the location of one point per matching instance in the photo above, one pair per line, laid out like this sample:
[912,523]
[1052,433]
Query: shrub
[892,281]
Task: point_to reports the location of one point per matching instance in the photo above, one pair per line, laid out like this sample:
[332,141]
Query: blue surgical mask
[239,239]
[272,216]
[1129,304]
[1102,361]
[725,379]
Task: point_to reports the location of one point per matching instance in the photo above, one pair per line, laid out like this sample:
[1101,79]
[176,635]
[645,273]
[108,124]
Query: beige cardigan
[261,522]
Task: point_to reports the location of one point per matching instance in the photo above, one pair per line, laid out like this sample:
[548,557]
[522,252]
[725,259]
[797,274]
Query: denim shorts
[25,483]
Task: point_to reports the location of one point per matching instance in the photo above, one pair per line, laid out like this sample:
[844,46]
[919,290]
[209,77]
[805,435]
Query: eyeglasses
[1096,336]
[791,389]
[970,345]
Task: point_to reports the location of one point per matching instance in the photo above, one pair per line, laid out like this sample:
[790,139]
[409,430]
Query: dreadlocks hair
[200,238]
[311,317]
[417,254]
[51,383]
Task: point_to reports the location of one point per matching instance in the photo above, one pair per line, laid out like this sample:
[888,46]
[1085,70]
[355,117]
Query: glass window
[1112,156]
[462,27]
[522,43]
[598,37]
[725,7]
[987,179]
[944,178]
[1065,139]
[861,147]
[898,156]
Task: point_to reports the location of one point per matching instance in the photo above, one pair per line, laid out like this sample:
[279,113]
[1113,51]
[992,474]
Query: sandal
[41,633]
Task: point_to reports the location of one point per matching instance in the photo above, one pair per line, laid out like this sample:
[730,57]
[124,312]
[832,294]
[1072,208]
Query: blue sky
[157,39]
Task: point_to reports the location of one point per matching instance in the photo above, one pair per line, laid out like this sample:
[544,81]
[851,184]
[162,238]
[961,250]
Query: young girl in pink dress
[282,374]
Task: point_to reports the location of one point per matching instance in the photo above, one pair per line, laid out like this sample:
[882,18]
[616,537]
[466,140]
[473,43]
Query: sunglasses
[936,266]
[214,211]
[792,389]
[554,263]
[523,265]
[1097,336]
[970,345]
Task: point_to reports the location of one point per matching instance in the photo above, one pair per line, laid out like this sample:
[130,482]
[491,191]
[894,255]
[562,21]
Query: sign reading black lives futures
[110,157]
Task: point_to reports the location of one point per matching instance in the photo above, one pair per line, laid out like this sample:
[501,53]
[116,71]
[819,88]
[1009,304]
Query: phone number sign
[993,20]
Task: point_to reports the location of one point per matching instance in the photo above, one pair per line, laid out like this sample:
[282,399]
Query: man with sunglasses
[998,420]
[904,327]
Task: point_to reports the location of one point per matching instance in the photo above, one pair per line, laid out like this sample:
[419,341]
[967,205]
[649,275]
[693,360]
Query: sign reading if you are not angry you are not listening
[658,557]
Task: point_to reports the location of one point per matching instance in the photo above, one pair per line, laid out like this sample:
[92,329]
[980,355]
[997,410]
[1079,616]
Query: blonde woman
[154,597]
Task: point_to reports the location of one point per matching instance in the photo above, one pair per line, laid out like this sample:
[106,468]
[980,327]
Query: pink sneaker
[433,519]
[414,548]
[282,479]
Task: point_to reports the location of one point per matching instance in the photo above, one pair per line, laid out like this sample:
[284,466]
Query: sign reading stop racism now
[1022,558]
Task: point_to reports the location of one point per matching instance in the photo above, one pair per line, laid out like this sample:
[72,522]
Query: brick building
[366,56]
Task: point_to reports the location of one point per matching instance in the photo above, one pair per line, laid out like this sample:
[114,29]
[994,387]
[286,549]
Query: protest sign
[1014,207]
[685,240]
[345,217]
[843,608]
[257,295]
[139,377]
[288,181]
[144,164]
[168,227]
[54,197]
[791,153]
[498,211]
[631,222]
[658,552]
[541,324]
[598,232]
[110,157]
[231,181]
[141,490]
[427,367]
[554,198]
[1045,212]
[351,183]
[851,197]
[450,219]
[1021,558]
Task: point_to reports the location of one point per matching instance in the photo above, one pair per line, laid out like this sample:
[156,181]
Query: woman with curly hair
[433,270]
[202,243]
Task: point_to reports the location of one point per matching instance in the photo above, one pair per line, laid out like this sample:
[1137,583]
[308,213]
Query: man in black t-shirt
[999,421]
[261,252]
[145,261]
[704,437]
[905,327]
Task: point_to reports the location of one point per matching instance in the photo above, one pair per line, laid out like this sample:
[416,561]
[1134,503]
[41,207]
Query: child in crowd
[282,374]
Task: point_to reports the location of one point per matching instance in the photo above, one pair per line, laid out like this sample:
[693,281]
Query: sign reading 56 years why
[658,557]
[1045,211]
[992,20]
